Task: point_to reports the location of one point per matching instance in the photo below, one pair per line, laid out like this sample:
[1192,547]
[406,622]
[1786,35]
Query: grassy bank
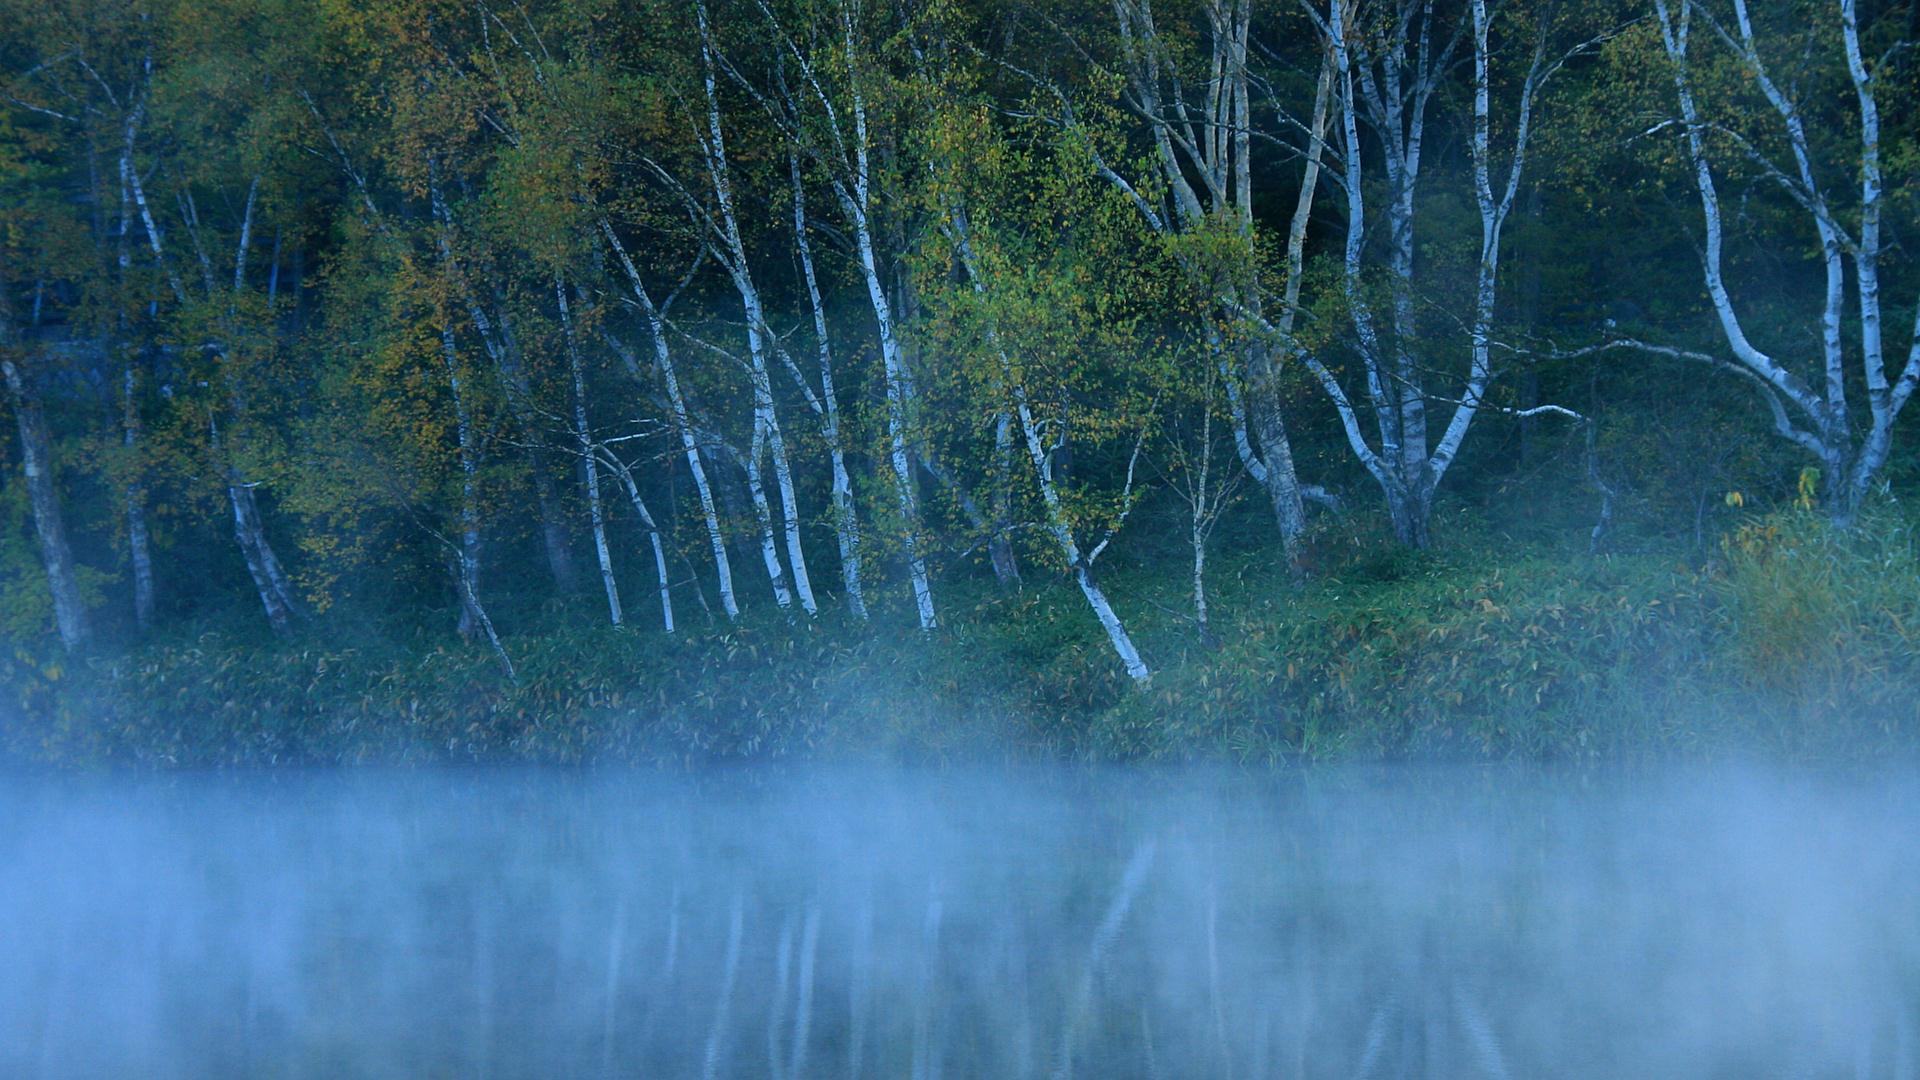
[1790,639]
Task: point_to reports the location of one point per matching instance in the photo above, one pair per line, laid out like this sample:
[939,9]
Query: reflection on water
[1413,923]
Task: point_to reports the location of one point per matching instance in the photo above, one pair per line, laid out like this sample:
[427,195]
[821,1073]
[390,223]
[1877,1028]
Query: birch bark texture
[70,615]
[1809,399]
[1387,71]
[842,142]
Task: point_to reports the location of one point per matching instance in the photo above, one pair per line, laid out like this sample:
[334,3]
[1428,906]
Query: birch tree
[1807,392]
[70,614]
[826,403]
[1390,63]
[467,566]
[678,413]
[730,251]
[589,459]
[836,80]
[558,115]
[1042,337]
[1202,128]
[219,124]
[84,79]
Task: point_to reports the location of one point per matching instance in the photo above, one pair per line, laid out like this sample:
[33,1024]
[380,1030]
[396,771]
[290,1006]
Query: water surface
[1386,923]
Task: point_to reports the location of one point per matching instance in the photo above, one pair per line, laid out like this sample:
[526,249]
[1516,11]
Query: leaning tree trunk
[139,538]
[467,572]
[590,466]
[278,598]
[621,470]
[846,517]
[1062,534]
[683,424]
[767,433]
[69,604]
[1057,523]
[269,579]
[900,404]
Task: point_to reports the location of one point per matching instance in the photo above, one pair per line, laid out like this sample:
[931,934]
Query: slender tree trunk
[1278,476]
[856,194]
[1062,534]
[590,466]
[139,540]
[468,568]
[851,175]
[269,580]
[1006,565]
[763,517]
[1079,564]
[249,526]
[776,445]
[663,360]
[653,533]
[1205,506]
[277,596]
[36,455]
[767,434]
[470,604]
[846,518]
[1215,147]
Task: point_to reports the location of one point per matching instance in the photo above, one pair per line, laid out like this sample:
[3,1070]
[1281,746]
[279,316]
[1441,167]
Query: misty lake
[1381,923]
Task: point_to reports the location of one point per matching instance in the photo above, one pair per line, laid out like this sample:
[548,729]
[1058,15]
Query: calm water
[1417,923]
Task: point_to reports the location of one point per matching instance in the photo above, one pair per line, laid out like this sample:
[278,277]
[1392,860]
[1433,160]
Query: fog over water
[1386,923]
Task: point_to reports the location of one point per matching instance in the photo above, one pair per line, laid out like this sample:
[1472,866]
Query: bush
[1798,639]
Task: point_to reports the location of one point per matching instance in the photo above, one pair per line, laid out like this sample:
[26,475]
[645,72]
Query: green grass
[1793,640]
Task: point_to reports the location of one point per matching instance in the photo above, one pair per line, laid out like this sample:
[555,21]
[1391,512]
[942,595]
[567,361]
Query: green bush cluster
[1794,639]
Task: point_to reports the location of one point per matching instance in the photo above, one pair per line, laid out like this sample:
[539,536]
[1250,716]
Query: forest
[687,380]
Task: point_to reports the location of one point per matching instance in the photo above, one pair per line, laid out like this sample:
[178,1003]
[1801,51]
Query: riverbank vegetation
[1791,641]
[685,380]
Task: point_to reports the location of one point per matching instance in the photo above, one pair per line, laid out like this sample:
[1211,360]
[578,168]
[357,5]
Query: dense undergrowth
[1791,639]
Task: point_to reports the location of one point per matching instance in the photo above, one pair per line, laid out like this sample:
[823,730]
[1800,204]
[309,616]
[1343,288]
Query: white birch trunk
[851,176]
[846,518]
[1216,147]
[663,359]
[856,193]
[1079,564]
[767,420]
[1062,534]
[468,569]
[56,556]
[1824,426]
[763,515]
[1396,77]
[621,470]
[278,599]
[590,466]
[139,540]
